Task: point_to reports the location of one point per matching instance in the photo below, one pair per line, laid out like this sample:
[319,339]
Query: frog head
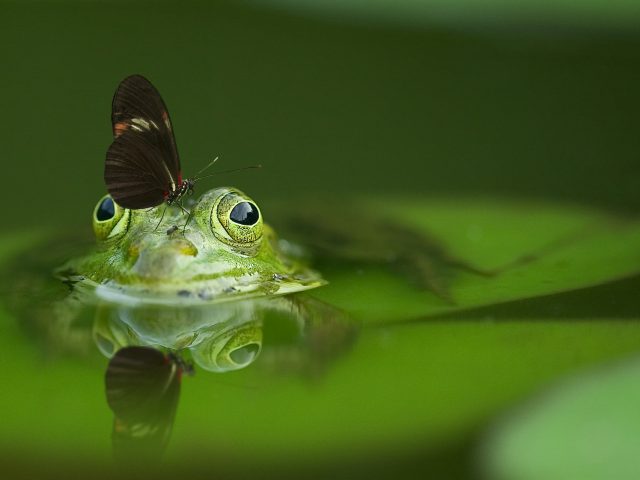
[220,249]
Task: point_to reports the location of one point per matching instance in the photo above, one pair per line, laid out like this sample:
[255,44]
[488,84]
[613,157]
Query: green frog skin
[225,252]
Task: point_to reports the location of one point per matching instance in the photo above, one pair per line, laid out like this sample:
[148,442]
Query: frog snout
[184,247]
[162,261]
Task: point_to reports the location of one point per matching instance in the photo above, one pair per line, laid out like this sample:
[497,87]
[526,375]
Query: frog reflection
[229,336]
[219,339]
[303,336]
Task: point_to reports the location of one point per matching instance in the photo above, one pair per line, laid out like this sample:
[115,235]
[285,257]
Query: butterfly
[142,168]
[142,388]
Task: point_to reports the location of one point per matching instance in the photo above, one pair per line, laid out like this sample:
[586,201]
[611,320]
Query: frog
[224,251]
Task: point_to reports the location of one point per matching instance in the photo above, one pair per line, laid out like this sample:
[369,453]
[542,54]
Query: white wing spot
[141,123]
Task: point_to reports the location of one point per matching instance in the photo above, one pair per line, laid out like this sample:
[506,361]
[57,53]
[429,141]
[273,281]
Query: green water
[511,111]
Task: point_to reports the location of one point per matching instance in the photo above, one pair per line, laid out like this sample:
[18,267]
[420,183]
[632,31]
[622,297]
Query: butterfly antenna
[207,166]
[228,171]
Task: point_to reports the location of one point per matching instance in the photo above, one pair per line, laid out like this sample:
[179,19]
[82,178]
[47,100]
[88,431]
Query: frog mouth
[201,291]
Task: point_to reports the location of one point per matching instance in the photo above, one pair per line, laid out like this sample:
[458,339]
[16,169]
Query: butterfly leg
[184,227]
[189,217]
[184,210]
[161,218]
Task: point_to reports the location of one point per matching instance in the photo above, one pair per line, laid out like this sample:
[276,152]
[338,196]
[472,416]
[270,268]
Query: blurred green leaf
[542,249]
[587,427]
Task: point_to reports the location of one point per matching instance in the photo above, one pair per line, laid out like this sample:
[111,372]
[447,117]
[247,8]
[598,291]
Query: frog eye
[105,210]
[109,219]
[245,213]
[240,218]
[232,349]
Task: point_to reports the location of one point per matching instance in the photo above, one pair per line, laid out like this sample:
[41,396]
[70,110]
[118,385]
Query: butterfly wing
[142,388]
[142,163]
[135,173]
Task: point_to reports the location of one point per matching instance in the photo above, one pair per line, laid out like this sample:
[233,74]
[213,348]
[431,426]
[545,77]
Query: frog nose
[171,248]
[184,246]
[163,261]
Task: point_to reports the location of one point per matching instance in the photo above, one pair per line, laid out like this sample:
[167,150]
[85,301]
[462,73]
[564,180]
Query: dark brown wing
[138,377]
[142,388]
[139,114]
[135,172]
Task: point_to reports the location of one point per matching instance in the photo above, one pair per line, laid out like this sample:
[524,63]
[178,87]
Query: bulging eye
[106,210]
[245,213]
[109,219]
[240,219]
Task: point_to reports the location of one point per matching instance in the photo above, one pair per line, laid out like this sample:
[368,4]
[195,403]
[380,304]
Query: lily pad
[534,249]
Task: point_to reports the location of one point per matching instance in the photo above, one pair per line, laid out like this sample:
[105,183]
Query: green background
[523,105]
[384,99]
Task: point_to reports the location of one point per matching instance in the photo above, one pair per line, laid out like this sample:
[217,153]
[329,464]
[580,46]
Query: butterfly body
[184,187]
[142,168]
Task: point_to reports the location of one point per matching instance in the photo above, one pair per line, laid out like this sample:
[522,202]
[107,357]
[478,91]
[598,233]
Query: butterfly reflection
[143,387]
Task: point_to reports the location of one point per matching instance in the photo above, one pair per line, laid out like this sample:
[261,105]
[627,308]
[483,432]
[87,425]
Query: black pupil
[245,213]
[106,210]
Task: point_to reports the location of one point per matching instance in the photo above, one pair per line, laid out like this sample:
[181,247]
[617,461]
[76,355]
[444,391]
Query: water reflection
[151,346]
[218,338]
[304,334]
[142,388]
